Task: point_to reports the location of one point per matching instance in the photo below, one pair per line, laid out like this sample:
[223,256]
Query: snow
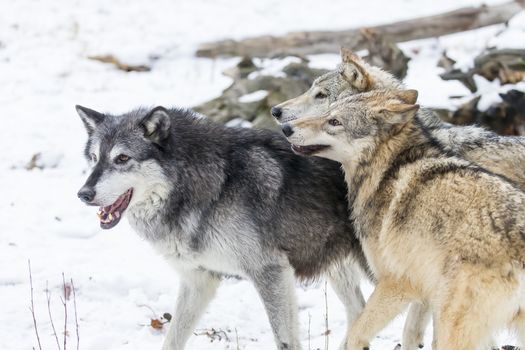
[254,96]
[45,72]
[272,67]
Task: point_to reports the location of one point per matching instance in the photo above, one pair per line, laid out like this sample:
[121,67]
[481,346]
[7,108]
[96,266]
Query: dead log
[317,42]
[383,52]
[230,106]
[507,65]
[505,118]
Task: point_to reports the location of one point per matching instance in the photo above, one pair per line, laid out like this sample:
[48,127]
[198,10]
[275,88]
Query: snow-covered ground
[44,72]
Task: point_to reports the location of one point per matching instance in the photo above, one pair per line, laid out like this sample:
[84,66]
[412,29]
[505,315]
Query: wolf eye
[334,122]
[321,95]
[121,159]
[93,157]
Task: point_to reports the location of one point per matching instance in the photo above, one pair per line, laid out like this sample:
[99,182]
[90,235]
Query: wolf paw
[357,347]
[400,347]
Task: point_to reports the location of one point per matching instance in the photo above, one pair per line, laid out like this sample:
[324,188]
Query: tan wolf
[502,155]
[434,227]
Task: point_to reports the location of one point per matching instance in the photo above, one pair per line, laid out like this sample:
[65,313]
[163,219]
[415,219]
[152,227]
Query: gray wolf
[501,155]
[218,201]
[433,226]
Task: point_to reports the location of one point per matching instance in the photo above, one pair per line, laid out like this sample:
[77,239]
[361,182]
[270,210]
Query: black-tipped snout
[287,130]
[86,195]
[276,112]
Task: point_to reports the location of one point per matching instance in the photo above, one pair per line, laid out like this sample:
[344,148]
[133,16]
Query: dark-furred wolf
[501,155]
[434,227]
[218,201]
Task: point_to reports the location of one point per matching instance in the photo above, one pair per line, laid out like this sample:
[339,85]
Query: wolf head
[353,124]
[124,153]
[352,76]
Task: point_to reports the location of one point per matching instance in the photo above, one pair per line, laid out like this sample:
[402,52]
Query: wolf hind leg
[474,303]
[418,317]
[386,302]
[344,279]
[518,322]
[276,287]
[196,290]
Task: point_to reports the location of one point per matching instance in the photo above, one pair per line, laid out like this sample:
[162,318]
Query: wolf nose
[287,130]
[276,112]
[86,195]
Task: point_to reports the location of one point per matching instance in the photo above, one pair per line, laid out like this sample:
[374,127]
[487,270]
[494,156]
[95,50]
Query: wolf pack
[365,184]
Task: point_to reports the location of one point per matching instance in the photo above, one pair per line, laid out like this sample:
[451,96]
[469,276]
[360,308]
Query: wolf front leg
[386,302]
[276,287]
[344,279]
[196,290]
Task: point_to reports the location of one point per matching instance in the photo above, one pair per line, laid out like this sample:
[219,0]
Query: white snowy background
[44,72]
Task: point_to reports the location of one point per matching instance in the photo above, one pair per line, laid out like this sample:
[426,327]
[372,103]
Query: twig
[48,296]
[213,334]
[237,339]
[76,318]
[65,309]
[327,331]
[153,313]
[32,308]
[309,328]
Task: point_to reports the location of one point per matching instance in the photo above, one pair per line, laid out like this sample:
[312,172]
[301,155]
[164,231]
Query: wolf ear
[90,118]
[156,124]
[347,56]
[398,113]
[353,70]
[408,96]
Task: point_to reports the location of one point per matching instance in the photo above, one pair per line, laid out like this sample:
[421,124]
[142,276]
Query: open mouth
[308,150]
[110,216]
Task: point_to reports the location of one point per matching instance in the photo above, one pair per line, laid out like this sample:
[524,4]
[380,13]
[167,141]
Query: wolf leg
[415,325]
[196,290]
[474,302]
[519,324]
[276,287]
[385,303]
[344,279]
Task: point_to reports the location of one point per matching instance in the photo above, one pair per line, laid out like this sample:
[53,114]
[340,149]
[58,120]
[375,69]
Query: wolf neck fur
[370,174]
[199,165]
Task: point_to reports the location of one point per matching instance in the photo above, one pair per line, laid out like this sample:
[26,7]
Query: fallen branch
[507,65]
[120,65]
[317,42]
